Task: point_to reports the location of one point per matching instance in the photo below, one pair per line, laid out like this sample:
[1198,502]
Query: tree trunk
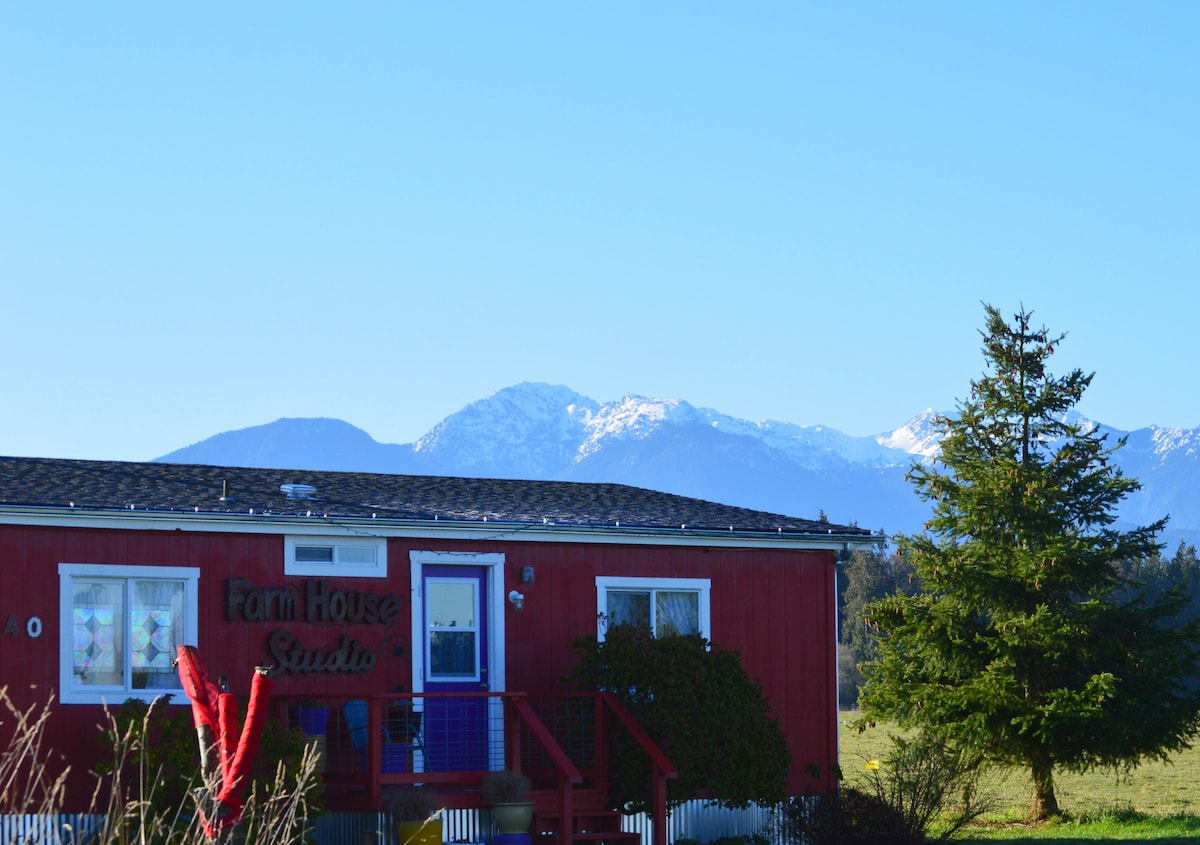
[1045,803]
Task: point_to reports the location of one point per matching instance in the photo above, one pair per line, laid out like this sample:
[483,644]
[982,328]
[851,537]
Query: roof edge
[617,534]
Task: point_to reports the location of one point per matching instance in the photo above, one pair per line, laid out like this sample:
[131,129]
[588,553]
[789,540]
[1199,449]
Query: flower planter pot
[427,832]
[513,818]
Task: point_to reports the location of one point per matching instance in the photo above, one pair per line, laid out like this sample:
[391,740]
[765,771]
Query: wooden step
[584,799]
[595,820]
[612,837]
[601,827]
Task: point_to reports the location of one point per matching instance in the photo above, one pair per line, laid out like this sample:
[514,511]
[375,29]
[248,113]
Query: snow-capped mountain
[527,431]
[543,431]
[918,436]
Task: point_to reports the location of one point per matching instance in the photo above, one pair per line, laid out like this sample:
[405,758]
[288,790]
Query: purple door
[456,650]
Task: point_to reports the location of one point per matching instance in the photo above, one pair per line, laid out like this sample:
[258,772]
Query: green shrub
[931,784]
[154,758]
[923,787]
[151,751]
[697,703]
[848,817]
[851,817]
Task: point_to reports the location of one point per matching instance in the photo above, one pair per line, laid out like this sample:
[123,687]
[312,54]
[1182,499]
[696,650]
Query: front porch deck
[449,742]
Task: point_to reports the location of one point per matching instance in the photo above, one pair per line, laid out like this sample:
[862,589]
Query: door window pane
[451,653]
[452,607]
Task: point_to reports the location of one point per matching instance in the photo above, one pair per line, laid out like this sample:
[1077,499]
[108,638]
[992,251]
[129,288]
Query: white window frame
[337,545]
[700,586]
[69,693]
[495,597]
[476,629]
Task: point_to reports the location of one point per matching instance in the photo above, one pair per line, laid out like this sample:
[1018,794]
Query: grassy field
[1158,802]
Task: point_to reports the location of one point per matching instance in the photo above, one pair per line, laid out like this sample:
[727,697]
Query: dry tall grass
[27,786]
[123,810]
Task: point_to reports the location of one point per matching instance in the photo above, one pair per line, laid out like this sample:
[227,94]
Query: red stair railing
[662,768]
[568,773]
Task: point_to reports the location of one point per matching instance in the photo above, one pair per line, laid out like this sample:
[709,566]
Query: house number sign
[33,626]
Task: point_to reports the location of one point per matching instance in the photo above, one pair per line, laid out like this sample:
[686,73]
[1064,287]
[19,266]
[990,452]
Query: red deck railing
[450,741]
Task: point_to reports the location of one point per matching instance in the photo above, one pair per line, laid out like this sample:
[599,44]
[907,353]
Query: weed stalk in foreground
[124,797]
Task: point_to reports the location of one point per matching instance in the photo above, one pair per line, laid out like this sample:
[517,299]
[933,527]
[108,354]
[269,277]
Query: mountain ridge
[543,431]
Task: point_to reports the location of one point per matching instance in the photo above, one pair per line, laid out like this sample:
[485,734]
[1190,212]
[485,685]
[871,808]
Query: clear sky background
[215,215]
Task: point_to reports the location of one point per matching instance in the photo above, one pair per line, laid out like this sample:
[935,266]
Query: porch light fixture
[517,600]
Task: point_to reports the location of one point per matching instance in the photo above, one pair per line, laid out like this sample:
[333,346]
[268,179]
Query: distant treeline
[870,575]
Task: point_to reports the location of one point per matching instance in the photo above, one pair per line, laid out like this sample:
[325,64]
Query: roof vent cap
[298,491]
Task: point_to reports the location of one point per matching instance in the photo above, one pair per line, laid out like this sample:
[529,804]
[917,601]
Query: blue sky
[213,216]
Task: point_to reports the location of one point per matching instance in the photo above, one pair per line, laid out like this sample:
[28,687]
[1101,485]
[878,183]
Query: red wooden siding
[774,606]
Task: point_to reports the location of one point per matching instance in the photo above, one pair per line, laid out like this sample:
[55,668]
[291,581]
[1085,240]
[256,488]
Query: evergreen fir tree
[1024,642]
[869,575]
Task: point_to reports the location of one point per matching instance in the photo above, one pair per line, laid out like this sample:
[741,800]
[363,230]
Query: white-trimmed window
[120,627]
[452,618]
[360,557]
[667,606]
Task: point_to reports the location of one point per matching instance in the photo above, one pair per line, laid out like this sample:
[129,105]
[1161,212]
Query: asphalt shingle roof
[197,488]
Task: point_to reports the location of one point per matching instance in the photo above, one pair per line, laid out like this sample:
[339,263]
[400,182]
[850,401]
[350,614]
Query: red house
[452,597]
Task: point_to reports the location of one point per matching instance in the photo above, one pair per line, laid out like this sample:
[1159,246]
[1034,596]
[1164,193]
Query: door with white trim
[459,640]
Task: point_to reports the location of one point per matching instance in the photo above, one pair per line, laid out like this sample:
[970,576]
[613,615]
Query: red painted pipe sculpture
[225,755]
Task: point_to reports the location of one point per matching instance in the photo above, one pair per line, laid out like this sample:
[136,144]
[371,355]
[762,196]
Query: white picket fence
[699,820]
[47,830]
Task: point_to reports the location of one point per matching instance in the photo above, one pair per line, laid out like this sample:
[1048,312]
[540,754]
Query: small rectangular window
[314,554]
[358,555]
[362,557]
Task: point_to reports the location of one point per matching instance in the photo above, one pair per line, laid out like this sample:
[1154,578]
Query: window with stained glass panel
[125,623]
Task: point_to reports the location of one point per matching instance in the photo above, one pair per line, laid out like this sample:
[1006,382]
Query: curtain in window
[676,613]
[156,621]
[626,607]
[118,624]
[98,642]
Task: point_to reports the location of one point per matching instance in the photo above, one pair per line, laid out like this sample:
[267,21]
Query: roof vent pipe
[298,491]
